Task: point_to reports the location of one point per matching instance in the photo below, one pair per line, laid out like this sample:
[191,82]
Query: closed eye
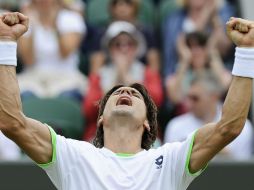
[137,94]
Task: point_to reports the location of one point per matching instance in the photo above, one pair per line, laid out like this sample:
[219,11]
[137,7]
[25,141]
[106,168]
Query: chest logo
[158,162]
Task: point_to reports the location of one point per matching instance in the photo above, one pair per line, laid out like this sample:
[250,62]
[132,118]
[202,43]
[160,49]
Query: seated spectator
[195,15]
[127,10]
[9,151]
[49,51]
[123,43]
[205,107]
[197,56]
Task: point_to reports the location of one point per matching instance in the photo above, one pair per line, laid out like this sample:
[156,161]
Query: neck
[123,137]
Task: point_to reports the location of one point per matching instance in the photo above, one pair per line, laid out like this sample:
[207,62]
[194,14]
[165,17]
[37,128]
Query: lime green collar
[124,154]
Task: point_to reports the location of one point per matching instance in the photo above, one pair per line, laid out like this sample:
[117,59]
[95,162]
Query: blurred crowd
[79,49]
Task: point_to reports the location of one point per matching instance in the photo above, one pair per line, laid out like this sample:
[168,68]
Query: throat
[122,140]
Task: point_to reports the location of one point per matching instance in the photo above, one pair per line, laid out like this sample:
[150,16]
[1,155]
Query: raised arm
[212,138]
[30,135]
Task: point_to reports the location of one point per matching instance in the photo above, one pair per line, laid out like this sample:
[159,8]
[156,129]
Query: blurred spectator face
[197,42]
[199,100]
[45,4]
[199,56]
[123,44]
[195,4]
[123,9]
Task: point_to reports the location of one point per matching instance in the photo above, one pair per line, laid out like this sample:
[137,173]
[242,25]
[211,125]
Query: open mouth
[124,100]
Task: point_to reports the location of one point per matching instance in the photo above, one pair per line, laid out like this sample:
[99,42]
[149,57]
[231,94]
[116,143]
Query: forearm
[68,43]
[219,70]
[236,107]
[10,106]
[175,88]
[26,50]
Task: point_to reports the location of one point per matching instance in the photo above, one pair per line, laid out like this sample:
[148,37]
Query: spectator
[195,15]
[50,51]
[9,151]
[127,10]
[197,56]
[205,107]
[123,43]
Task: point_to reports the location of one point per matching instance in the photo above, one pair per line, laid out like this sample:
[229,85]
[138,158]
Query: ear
[146,125]
[100,122]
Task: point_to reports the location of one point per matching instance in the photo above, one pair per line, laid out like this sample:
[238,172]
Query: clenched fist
[241,32]
[12,26]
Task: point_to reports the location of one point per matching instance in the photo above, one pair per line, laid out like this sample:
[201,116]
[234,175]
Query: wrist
[8,52]
[244,62]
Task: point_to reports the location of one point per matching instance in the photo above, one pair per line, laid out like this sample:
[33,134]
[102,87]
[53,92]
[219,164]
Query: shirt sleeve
[180,158]
[65,157]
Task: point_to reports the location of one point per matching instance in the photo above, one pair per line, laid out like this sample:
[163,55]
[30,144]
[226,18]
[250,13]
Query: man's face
[199,101]
[125,103]
[196,4]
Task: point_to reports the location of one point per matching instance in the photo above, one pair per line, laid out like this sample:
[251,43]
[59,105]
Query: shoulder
[73,145]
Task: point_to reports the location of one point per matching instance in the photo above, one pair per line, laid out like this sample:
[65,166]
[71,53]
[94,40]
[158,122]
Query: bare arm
[32,136]
[26,50]
[221,73]
[214,137]
[174,83]
[68,43]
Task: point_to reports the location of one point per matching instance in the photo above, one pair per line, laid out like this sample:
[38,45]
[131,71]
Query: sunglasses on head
[119,44]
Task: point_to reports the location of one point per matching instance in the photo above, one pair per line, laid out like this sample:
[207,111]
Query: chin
[123,111]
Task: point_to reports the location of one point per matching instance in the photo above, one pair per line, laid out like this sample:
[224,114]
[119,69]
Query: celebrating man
[122,158]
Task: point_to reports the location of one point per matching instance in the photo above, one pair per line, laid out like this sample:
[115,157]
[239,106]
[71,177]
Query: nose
[126,91]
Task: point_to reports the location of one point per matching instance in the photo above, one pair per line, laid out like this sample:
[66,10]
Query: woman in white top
[49,50]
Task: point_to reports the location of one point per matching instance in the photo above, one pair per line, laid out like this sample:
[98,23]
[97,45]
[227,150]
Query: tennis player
[121,158]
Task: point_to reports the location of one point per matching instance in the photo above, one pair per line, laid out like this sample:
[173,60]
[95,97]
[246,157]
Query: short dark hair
[199,38]
[148,137]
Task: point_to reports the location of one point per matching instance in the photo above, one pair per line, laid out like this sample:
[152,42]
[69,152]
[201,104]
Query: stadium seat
[147,12]
[63,115]
[97,12]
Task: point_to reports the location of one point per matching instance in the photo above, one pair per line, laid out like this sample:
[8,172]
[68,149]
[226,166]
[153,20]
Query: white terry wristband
[8,53]
[244,62]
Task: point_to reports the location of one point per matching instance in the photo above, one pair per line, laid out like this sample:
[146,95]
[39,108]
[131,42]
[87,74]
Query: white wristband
[8,53]
[244,62]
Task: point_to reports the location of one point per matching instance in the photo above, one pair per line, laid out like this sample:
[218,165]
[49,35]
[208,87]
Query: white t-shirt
[46,46]
[180,127]
[9,151]
[78,165]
